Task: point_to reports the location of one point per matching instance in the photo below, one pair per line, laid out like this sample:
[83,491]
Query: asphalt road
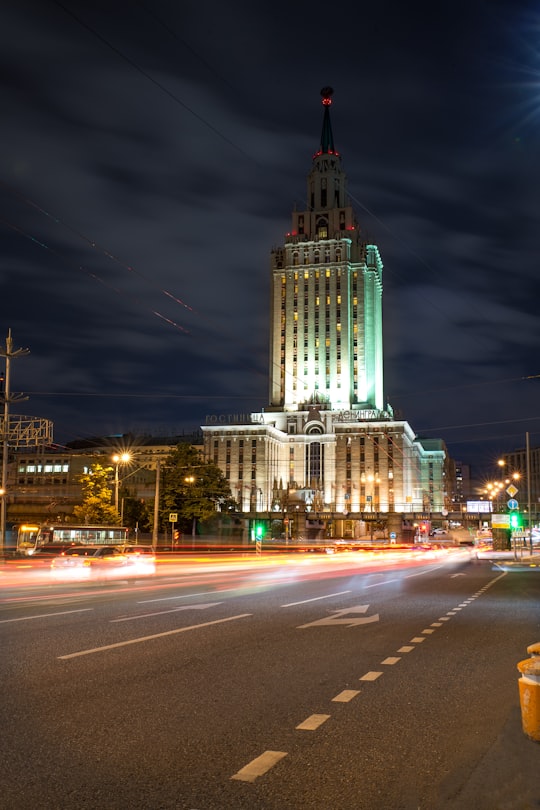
[317,683]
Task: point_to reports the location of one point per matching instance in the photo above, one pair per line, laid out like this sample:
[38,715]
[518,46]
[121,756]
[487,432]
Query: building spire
[327,139]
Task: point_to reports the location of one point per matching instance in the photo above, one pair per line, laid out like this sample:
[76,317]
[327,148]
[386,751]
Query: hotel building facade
[327,451]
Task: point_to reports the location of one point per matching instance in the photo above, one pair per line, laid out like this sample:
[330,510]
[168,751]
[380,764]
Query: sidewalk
[507,777]
[508,559]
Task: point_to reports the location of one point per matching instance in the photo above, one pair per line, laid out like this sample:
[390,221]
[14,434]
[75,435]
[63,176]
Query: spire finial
[327,139]
[327,93]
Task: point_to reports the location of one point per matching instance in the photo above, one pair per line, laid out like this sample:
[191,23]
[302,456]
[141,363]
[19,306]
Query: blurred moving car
[142,558]
[44,554]
[99,562]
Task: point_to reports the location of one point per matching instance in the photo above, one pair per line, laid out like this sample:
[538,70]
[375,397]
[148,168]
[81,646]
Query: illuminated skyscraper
[326,321]
[327,450]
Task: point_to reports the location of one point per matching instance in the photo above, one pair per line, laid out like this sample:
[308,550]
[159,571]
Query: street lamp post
[123,458]
[190,480]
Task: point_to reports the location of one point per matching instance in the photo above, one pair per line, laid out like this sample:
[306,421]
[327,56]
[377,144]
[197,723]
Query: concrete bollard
[529,696]
[534,649]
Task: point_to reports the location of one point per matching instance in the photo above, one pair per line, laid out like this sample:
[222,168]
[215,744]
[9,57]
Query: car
[51,549]
[99,562]
[43,555]
[141,558]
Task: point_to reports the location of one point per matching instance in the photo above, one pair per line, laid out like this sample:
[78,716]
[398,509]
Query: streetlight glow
[122,458]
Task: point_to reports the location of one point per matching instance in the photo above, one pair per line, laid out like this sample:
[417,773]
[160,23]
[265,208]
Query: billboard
[479,506]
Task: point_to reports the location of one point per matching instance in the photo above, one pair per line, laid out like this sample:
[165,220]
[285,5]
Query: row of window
[47,468]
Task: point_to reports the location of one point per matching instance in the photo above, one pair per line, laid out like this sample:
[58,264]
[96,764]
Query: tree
[192,488]
[136,512]
[97,490]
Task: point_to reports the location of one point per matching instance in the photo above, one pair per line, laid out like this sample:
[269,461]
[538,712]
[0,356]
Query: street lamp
[123,458]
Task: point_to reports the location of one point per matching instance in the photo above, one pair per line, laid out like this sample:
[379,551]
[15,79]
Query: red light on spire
[326,94]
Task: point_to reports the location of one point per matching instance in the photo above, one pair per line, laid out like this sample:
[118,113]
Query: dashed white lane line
[315,599]
[162,612]
[444,619]
[436,624]
[313,722]
[149,638]
[258,766]
[428,630]
[44,615]
[417,639]
[406,649]
[378,584]
[391,660]
[370,676]
[346,696]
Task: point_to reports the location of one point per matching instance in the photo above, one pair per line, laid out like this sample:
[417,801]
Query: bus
[31,538]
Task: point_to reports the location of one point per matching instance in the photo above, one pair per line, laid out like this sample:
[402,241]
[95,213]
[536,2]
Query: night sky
[152,153]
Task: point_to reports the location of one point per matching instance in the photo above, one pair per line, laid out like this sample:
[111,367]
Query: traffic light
[515,520]
[259,531]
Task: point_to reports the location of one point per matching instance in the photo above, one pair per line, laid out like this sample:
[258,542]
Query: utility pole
[528,460]
[9,352]
[156,507]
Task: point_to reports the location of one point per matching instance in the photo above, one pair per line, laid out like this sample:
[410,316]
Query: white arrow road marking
[333,620]
[161,612]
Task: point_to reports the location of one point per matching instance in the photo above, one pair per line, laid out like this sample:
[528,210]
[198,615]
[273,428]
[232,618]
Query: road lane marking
[315,599]
[444,618]
[184,596]
[406,649]
[162,612]
[391,660]
[370,676]
[436,624]
[428,630]
[333,620]
[44,615]
[421,573]
[417,639]
[346,695]
[149,638]
[376,584]
[258,766]
[313,722]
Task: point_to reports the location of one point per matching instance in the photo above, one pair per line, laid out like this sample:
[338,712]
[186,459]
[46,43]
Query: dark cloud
[151,160]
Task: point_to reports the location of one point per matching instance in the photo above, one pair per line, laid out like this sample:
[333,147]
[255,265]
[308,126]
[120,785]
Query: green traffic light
[515,520]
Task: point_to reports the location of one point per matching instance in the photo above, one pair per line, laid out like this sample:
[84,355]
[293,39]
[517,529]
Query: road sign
[512,504]
[512,490]
[173,517]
